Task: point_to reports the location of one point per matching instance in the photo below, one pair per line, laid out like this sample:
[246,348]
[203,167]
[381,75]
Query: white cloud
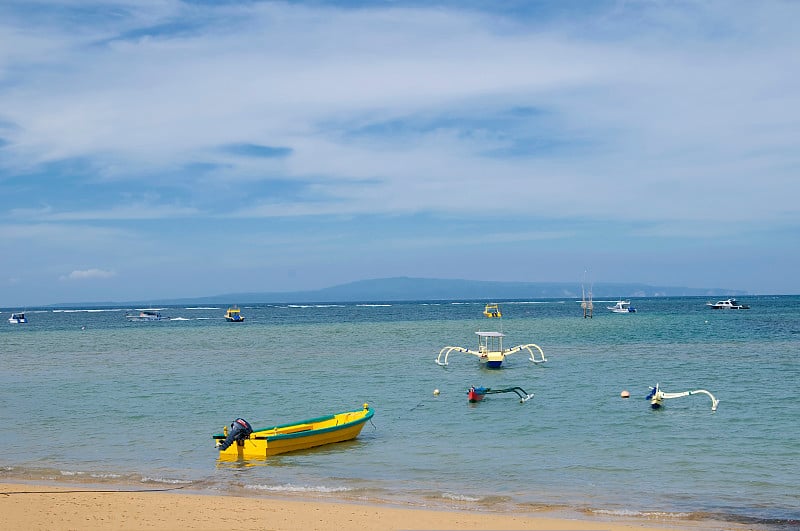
[664,115]
[650,116]
[88,274]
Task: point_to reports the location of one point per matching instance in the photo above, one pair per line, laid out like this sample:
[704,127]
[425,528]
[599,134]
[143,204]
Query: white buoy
[625,394]
[435,392]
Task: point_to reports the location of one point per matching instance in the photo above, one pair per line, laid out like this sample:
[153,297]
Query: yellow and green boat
[265,442]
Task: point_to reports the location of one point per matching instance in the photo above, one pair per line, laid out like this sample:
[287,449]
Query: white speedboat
[17,318]
[622,307]
[145,315]
[727,304]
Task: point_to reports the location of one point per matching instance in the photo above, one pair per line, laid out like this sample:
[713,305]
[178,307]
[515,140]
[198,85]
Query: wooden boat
[657,397]
[476,394]
[490,346]
[490,351]
[234,315]
[265,442]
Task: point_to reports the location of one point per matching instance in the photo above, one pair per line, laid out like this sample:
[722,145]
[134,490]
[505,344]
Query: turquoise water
[86,396]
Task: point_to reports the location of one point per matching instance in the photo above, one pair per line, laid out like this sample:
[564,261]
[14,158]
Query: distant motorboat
[622,307]
[234,315]
[492,310]
[17,318]
[145,315]
[727,304]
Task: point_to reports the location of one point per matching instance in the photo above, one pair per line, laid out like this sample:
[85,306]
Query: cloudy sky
[165,148]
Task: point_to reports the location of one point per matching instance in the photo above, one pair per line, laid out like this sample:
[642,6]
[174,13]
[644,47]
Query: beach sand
[26,506]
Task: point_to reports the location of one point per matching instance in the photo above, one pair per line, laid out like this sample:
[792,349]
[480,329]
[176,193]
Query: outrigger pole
[657,397]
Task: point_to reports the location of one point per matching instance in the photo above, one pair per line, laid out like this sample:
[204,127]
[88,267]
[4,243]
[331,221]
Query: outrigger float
[476,394]
[657,397]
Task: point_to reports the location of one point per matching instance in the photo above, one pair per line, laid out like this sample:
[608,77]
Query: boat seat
[295,429]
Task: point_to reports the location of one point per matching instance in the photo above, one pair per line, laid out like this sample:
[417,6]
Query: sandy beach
[25,506]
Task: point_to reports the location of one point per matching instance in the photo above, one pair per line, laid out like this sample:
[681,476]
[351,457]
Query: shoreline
[46,506]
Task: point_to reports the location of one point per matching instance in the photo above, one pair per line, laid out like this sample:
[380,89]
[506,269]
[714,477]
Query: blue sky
[162,148]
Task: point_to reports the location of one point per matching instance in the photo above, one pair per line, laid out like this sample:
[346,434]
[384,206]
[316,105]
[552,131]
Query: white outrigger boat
[657,397]
[491,352]
[490,346]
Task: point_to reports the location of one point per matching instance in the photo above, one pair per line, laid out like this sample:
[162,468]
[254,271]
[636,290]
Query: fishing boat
[490,346]
[622,307]
[266,442]
[17,318]
[491,352]
[234,315]
[145,315]
[476,394]
[492,310]
[727,304]
[657,397]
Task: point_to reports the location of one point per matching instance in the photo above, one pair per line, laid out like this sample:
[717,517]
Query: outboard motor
[240,430]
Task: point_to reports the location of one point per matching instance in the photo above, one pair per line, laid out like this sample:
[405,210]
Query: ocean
[87,397]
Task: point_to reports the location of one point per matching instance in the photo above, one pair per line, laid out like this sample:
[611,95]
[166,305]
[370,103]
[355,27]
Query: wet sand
[26,506]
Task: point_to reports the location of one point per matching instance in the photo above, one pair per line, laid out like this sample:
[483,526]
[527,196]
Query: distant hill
[412,289]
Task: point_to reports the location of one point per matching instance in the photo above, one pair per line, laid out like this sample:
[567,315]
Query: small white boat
[727,304]
[145,315]
[17,318]
[622,307]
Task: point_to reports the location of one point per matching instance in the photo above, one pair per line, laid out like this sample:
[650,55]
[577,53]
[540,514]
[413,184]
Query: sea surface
[88,397]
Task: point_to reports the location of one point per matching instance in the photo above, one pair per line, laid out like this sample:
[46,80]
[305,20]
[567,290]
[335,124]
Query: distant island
[422,289]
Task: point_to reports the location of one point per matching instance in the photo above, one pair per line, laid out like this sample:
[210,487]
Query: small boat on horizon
[17,318]
[492,310]
[234,315]
[622,307]
[145,315]
[245,443]
[727,304]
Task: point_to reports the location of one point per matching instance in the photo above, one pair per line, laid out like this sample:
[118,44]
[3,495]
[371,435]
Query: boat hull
[475,394]
[300,435]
